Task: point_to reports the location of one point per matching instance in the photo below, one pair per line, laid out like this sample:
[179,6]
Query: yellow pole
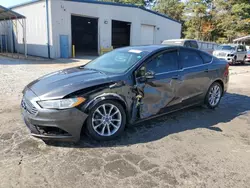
[73,51]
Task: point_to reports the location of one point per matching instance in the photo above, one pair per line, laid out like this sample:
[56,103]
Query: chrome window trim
[179,70]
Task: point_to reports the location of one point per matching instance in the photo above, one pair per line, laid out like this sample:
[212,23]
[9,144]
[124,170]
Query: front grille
[222,54]
[29,107]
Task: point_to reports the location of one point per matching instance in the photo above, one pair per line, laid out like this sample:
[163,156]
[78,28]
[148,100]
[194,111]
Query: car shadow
[232,105]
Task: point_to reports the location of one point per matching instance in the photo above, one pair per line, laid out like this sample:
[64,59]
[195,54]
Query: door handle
[176,77]
[206,70]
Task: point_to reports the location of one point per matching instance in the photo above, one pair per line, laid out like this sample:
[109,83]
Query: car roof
[147,48]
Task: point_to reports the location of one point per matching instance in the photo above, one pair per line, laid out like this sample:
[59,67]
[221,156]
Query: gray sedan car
[122,87]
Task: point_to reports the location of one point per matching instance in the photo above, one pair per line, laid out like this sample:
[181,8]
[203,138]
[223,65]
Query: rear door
[194,76]
[160,91]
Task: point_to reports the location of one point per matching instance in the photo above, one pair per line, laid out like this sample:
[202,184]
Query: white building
[90,26]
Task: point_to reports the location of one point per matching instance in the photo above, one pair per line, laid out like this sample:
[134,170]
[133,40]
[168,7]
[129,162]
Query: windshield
[226,47]
[117,61]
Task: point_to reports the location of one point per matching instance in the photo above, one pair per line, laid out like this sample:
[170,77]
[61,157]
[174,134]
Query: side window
[194,44]
[207,58]
[187,44]
[189,58]
[244,48]
[164,62]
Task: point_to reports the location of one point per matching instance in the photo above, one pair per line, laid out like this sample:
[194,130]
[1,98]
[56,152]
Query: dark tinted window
[193,44]
[163,63]
[207,58]
[187,44]
[189,58]
[240,48]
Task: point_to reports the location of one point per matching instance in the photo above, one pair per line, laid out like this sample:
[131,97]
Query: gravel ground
[197,147]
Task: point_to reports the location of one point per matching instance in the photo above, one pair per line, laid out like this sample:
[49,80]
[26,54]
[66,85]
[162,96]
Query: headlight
[61,103]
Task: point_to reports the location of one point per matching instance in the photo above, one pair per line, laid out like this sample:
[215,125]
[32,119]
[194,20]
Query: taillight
[248,55]
[226,70]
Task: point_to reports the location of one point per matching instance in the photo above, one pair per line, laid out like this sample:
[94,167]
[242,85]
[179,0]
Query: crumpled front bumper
[50,124]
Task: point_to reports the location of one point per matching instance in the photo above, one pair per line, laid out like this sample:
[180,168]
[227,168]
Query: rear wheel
[214,95]
[234,60]
[106,120]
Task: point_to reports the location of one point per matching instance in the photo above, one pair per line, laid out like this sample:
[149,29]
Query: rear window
[189,58]
[193,44]
[207,58]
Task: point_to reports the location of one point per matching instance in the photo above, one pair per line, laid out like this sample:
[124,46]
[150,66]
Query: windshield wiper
[82,67]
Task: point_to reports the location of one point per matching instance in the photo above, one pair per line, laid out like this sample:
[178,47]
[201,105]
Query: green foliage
[172,8]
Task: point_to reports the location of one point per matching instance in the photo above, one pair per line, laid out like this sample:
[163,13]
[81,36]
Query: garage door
[147,34]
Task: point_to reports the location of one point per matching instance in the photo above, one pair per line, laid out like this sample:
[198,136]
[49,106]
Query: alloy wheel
[214,95]
[106,120]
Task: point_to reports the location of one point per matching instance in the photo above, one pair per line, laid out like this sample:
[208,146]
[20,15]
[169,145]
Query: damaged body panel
[158,94]
[122,87]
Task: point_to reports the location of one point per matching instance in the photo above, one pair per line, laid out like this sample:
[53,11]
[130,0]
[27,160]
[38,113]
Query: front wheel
[234,61]
[214,95]
[106,120]
[244,61]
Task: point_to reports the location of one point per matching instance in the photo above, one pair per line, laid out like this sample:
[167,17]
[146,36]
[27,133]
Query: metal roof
[7,14]
[106,3]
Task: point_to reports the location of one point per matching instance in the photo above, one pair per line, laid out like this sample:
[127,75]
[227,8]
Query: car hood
[61,83]
[224,51]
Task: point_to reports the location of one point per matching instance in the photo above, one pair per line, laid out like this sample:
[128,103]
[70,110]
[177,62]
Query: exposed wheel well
[221,83]
[124,107]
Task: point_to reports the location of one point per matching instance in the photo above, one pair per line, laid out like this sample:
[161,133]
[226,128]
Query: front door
[194,75]
[157,83]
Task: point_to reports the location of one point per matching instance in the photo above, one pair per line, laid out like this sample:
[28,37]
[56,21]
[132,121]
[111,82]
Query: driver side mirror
[149,75]
[142,75]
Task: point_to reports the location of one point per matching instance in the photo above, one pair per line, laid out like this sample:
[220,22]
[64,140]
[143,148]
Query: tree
[172,8]
[197,19]
[232,18]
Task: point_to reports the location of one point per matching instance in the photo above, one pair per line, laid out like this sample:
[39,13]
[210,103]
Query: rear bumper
[248,59]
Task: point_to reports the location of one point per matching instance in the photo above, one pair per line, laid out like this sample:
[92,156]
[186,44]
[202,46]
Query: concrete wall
[61,22]
[36,29]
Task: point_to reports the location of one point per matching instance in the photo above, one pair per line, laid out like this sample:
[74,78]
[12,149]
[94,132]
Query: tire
[244,61]
[234,61]
[210,93]
[100,126]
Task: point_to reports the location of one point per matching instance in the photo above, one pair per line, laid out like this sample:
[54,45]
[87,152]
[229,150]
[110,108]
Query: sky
[9,3]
